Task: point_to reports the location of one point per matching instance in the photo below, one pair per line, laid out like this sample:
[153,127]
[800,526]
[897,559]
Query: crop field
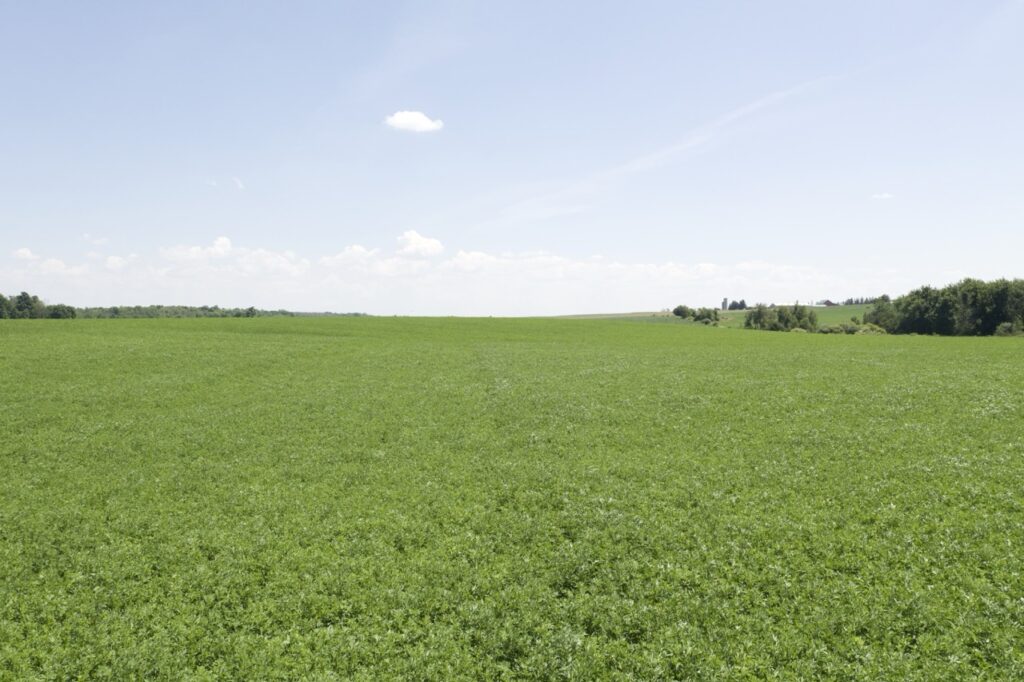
[394,498]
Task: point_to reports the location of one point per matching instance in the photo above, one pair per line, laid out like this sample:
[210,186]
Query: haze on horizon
[453,158]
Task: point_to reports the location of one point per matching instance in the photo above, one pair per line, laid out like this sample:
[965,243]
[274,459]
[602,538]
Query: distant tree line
[864,300]
[970,307]
[152,311]
[26,306]
[737,305]
[702,315]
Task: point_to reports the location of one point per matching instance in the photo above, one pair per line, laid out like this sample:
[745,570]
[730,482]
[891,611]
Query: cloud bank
[417,278]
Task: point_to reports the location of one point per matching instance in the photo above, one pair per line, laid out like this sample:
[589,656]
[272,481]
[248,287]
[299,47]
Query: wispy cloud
[413,121]
[883,196]
[573,197]
[238,183]
[24,254]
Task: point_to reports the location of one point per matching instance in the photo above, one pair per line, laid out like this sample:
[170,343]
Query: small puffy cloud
[883,196]
[25,254]
[413,121]
[415,244]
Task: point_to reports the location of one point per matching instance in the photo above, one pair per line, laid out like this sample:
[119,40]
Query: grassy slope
[476,498]
[826,316]
[731,318]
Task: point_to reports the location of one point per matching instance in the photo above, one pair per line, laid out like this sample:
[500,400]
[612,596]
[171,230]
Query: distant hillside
[826,315]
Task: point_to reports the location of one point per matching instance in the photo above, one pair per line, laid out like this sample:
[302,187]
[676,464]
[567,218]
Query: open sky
[507,158]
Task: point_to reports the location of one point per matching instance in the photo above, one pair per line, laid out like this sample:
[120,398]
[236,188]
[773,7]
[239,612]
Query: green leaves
[283,498]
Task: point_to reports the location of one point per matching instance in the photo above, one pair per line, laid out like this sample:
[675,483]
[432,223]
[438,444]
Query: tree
[883,314]
[781,318]
[706,315]
[682,311]
[28,306]
[971,307]
[6,307]
[61,311]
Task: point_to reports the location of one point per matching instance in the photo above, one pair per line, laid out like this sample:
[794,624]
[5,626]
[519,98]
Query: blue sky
[570,157]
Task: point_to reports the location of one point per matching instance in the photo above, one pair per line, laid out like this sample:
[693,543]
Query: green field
[378,498]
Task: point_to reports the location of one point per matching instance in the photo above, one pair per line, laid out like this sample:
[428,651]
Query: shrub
[682,311]
[1009,329]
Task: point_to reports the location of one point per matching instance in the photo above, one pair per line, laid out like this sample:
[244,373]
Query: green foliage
[706,315]
[781,318]
[1009,329]
[60,311]
[968,308]
[377,498]
[180,311]
[26,306]
[185,311]
[702,315]
[682,311]
[852,327]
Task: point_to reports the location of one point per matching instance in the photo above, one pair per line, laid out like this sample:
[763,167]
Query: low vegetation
[702,315]
[378,498]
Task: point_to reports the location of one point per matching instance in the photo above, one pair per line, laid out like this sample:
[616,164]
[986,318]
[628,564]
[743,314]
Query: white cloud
[883,196]
[224,260]
[413,243]
[25,254]
[350,255]
[419,279]
[413,121]
[238,183]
